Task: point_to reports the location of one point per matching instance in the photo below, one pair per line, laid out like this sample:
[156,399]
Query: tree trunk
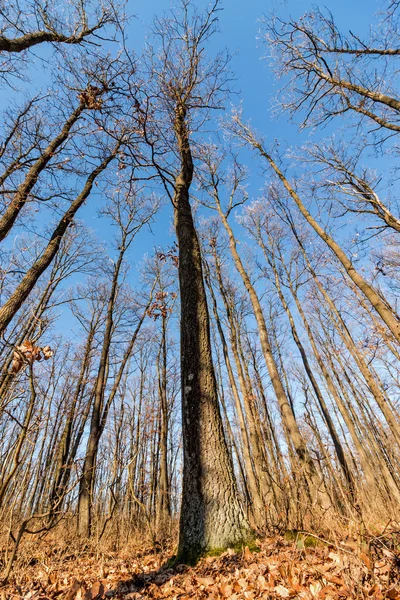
[29,280]
[163,510]
[20,198]
[211,513]
[257,505]
[288,417]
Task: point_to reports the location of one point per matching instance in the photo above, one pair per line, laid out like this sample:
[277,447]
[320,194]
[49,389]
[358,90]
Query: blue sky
[255,81]
[239,28]
[256,84]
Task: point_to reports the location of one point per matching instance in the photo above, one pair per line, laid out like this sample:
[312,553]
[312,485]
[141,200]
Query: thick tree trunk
[211,513]
[257,506]
[254,435]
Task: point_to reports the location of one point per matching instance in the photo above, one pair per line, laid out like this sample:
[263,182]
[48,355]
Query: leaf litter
[281,569]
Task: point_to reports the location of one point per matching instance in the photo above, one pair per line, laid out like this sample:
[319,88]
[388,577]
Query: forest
[199,306]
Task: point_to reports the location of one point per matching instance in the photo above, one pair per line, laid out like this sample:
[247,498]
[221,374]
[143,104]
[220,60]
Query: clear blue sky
[255,83]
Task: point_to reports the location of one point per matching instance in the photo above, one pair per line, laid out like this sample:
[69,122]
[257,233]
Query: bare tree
[129,213]
[186,85]
[212,182]
[27,24]
[332,74]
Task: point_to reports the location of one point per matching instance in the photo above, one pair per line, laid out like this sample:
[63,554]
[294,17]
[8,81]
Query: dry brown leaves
[280,570]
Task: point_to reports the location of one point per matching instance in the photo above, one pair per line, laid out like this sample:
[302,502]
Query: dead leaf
[334,579]
[366,560]
[97,590]
[73,590]
[315,588]
[206,581]
[225,590]
[282,591]
[247,555]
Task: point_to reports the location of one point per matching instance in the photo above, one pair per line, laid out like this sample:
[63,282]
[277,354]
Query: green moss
[215,552]
[193,556]
[303,540]
[252,546]
[190,558]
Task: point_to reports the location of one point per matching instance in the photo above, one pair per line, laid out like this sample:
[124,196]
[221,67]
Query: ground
[290,566]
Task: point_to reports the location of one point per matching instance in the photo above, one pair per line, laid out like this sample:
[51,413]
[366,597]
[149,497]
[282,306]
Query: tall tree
[187,86]
[376,299]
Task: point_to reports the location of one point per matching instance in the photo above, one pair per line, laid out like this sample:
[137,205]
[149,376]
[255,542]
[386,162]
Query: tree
[185,87]
[10,308]
[212,182]
[261,224]
[51,27]
[129,212]
[30,23]
[332,74]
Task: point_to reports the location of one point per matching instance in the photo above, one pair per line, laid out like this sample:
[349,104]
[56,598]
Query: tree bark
[211,513]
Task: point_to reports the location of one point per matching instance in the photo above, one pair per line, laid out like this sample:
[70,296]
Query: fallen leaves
[279,570]
[282,591]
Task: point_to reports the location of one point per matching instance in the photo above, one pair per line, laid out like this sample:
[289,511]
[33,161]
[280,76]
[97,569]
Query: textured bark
[211,513]
[233,442]
[257,506]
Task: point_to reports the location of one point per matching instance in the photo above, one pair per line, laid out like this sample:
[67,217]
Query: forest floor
[300,567]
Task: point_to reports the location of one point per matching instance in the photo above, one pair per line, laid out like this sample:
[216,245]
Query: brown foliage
[91,97]
[27,353]
[281,569]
